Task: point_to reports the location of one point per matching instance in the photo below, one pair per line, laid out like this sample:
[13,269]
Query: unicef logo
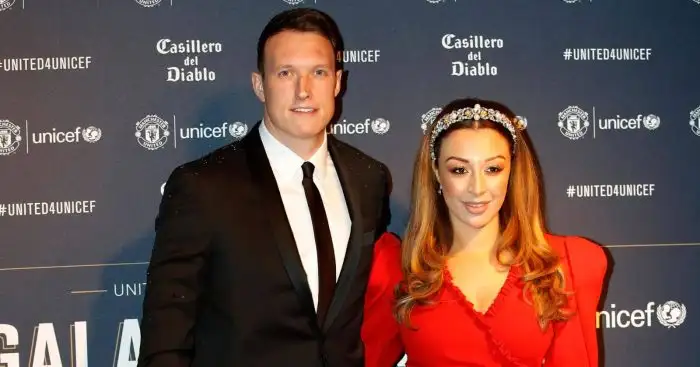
[148,3]
[6,4]
[573,122]
[238,129]
[651,122]
[380,126]
[293,2]
[92,134]
[695,119]
[435,1]
[428,118]
[671,314]
[152,132]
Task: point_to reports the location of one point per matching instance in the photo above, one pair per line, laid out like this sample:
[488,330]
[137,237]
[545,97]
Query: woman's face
[473,169]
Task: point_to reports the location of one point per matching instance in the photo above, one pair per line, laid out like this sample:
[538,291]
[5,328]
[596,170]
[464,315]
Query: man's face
[299,86]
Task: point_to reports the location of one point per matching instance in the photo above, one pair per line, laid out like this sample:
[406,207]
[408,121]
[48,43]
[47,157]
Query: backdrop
[100,100]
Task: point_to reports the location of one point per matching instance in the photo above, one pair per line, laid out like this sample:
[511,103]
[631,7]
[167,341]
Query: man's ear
[258,87]
[338,81]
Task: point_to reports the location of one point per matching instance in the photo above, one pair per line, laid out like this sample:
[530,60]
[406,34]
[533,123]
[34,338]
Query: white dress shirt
[286,166]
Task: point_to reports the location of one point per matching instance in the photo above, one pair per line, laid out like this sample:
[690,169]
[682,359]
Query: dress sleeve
[575,341]
[380,330]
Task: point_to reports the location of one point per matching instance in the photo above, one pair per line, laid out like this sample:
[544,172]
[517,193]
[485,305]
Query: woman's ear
[437,178]
[435,173]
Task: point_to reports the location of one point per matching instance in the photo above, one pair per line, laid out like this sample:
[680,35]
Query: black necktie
[324,242]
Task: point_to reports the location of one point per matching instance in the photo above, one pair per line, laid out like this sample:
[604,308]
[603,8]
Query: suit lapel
[269,194]
[351,188]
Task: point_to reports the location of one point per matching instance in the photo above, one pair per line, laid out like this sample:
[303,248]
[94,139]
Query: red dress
[451,333]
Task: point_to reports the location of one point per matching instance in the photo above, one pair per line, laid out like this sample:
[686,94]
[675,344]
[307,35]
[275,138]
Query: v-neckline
[491,309]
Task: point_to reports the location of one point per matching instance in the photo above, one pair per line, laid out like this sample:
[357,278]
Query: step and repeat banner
[101,99]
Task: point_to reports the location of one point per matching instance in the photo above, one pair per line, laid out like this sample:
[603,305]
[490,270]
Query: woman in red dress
[477,280]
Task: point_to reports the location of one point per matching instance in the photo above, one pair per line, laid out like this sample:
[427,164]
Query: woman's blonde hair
[428,236]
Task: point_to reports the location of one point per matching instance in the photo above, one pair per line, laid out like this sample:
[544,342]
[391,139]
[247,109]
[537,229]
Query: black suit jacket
[225,284]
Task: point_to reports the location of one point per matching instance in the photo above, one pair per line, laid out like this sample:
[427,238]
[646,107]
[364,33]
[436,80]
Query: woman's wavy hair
[428,236]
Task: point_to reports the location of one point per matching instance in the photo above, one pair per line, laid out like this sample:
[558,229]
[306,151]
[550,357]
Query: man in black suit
[263,247]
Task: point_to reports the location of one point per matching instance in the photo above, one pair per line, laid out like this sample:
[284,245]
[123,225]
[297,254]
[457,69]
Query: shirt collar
[285,163]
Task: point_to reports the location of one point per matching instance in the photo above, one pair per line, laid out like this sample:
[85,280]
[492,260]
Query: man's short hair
[301,20]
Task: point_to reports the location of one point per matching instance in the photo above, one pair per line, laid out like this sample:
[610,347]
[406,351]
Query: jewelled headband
[475,113]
